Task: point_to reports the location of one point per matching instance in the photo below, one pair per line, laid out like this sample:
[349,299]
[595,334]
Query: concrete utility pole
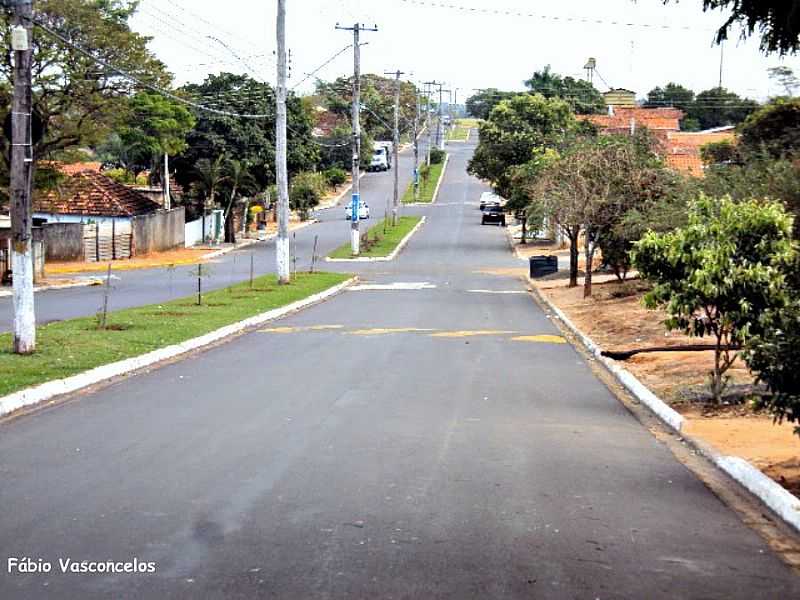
[429,92]
[355,236]
[21,180]
[416,145]
[167,199]
[441,126]
[396,146]
[281,174]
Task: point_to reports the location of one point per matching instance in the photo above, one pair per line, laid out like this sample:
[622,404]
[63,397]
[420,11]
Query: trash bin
[543,265]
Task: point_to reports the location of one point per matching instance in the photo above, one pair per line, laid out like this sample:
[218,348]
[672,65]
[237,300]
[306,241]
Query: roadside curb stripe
[392,256]
[775,496]
[58,387]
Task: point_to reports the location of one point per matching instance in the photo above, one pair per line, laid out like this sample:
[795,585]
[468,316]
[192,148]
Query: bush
[437,156]
[306,191]
[335,176]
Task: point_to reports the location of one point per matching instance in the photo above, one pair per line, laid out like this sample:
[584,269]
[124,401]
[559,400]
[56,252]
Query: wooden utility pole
[281,173]
[21,180]
[396,146]
[355,235]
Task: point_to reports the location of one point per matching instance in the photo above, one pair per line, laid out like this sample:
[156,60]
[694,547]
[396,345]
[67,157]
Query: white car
[363,211]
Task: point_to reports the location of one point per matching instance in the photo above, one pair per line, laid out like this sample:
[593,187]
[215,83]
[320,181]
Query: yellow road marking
[545,339]
[468,333]
[387,330]
[299,329]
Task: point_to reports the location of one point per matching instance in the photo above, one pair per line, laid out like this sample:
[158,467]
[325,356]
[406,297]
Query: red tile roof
[688,164]
[652,118]
[92,194]
[682,149]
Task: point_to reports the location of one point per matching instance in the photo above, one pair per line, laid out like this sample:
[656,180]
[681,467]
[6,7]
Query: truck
[381,156]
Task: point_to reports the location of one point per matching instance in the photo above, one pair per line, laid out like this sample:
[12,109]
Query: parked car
[494,214]
[363,211]
[489,199]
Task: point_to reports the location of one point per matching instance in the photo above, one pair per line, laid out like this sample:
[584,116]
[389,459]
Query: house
[682,148]
[88,196]
[627,119]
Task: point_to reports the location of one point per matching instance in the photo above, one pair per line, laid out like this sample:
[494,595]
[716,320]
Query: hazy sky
[467,49]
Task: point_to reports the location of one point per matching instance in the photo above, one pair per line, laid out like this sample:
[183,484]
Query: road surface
[428,440]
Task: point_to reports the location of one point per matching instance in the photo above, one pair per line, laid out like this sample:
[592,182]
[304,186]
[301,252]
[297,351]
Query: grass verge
[382,239]
[427,186]
[70,347]
[458,133]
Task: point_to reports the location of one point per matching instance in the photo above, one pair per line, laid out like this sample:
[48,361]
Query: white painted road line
[400,285]
[497,291]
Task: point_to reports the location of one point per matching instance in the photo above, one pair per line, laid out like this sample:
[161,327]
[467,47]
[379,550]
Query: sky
[467,48]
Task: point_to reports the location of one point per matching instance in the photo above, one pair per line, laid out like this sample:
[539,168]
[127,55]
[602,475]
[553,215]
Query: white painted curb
[438,185]
[89,281]
[392,256]
[51,389]
[217,253]
[782,502]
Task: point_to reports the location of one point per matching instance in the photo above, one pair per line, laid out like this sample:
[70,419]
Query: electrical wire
[322,66]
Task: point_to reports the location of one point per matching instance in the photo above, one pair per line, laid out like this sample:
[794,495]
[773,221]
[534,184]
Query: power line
[322,66]
[555,18]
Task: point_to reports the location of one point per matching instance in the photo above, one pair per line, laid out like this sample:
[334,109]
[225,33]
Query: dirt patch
[180,256]
[169,313]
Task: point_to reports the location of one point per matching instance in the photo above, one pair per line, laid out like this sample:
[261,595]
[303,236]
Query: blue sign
[416,177]
[354,207]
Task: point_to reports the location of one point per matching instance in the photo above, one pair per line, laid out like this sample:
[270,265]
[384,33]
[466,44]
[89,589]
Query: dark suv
[494,214]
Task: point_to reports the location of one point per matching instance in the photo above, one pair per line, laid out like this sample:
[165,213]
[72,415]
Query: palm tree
[239,176]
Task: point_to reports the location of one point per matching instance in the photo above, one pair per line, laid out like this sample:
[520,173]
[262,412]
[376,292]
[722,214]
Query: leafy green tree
[773,129]
[581,95]
[785,77]
[305,192]
[719,106]
[720,153]
[481,103]
[79,101]
[777,21]
[515,129]
[719,274]
[251,141]
[773,354]
[675,95]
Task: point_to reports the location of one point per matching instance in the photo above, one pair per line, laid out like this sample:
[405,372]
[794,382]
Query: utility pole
[441,127]
[396,146]
[416,145]
[21,180]
[167,199]
[281,174]
[355,235]
[432,85]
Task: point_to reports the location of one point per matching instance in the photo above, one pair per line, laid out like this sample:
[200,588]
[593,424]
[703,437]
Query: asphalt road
[429,442]
[150,286]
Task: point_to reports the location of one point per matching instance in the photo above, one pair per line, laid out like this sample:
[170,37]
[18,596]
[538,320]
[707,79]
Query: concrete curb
[217,253]
[334,202]
[51,389]
[438,185]
[87,283]
[391,256]
[782,502]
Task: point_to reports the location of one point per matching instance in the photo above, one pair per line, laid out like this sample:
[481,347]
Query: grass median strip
[458,133]
[427,185]
[382,239]
[70,347]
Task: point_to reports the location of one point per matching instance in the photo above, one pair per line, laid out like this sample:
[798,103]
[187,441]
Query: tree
[305,192]
[238,178]
[516,128]
[777,21]
[773,129]
[481,103]
[719,274]
[581,95]
[773,355]
[720,153]
[718,106]
[208,176]
[674,95]
[79,101]
[785,77]
[251,141]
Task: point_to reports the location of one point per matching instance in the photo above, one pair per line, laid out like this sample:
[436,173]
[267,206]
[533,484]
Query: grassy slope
[427,187]
[387,243]
[69,347]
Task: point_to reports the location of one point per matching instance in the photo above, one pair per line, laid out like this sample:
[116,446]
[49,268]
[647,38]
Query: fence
[156,232]
[107,241]
[213,229]
[5,261]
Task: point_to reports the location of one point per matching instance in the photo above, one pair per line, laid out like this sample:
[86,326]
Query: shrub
[437,156]
[306,191]
[335,176]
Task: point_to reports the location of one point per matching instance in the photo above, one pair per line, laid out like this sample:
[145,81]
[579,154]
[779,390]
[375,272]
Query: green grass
[69,347]
[427,186]
[468,123]
[385,244]
[458,133]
